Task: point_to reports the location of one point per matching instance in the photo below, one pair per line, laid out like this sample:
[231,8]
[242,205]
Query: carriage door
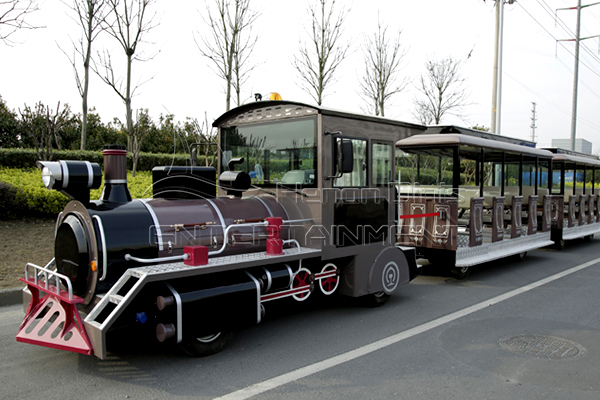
[361,210]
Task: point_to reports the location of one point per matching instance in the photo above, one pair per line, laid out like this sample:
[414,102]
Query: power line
[591,91]
[565,27]
[552,36]
[577,40]
[558,107]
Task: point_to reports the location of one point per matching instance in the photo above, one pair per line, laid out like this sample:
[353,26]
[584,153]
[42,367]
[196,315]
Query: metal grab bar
[226,236]
[129,257]
[295,221]
[104,251]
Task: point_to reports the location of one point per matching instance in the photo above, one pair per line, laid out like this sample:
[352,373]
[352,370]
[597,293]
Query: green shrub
[10,203]
[22,193]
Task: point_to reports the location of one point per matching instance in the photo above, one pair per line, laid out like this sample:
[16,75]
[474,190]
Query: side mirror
[345,156]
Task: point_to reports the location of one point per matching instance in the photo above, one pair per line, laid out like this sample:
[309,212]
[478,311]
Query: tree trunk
[84,92]
[128,115]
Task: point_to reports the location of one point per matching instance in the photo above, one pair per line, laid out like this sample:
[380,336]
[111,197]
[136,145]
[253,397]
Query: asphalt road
[518,330]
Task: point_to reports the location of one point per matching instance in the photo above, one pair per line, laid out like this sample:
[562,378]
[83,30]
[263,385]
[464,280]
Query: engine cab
[334,173]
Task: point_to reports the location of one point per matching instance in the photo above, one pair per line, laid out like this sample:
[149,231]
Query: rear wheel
[521,256]
[206,345]
[461,272]
[376,299]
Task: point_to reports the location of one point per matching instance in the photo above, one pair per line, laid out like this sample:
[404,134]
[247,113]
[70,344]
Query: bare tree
[319,59]
[443,90]
[142,127]
[383,59]
[89,14]
[206,135]
[128,22]
[12,17]
[230,43]
[44,126]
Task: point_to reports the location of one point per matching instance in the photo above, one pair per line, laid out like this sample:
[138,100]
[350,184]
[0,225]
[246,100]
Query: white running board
[469,256]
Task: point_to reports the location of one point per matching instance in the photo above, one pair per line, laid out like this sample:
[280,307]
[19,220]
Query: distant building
[581,145]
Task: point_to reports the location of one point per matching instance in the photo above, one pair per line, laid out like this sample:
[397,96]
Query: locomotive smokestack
[115,174]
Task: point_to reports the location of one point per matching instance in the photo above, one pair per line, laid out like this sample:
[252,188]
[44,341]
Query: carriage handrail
[48,275]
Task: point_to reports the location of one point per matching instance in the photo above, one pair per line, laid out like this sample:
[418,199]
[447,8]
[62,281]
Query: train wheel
[328,285]
[302,278]
[461,272]
[206,345]
[376,299]
[560,244]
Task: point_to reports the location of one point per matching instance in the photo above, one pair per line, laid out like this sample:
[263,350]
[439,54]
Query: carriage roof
[432,143]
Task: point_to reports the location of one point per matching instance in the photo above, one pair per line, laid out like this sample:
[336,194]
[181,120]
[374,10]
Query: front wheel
[376,299]
[206,345]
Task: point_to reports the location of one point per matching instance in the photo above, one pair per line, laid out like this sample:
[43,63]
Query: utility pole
[533,125]
[497,78]
[576,67]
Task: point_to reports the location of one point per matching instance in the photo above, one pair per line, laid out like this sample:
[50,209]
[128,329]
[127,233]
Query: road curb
[9,297]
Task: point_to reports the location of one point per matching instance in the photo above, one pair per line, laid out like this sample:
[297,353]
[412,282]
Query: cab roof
[261,111]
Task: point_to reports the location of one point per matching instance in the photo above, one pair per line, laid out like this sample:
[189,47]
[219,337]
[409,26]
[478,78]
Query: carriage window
[571,179]
[422,169]
[529,174]
[358,176]
[544,174]
[382,164]
[556,181]
[511,174]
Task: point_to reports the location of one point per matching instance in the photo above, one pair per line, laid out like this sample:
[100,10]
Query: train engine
[190,267]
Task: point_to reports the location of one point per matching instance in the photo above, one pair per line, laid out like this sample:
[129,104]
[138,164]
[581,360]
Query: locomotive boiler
[96,242]
[304,202]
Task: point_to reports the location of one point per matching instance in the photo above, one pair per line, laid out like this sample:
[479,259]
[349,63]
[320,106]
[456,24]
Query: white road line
[303,372]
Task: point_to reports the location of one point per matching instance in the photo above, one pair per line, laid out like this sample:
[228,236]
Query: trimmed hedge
[23,194]
[11,203]
[26,158]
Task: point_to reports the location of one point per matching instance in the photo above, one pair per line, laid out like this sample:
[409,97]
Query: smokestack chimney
[115,174]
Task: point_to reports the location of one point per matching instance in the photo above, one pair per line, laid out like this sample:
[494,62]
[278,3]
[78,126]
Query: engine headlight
[51,174]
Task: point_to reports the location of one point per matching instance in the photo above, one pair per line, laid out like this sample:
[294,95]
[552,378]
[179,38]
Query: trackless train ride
[304,199]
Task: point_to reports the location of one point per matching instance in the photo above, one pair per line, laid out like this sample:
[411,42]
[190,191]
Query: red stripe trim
[114,152]
[437,214]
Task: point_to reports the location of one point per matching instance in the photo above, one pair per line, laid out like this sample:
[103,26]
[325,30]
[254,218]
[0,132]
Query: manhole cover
[543,346]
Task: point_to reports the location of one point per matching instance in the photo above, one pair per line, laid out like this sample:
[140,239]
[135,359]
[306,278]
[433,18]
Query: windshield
[279,152]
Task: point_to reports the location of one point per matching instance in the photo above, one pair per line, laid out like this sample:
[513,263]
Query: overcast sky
[536,68]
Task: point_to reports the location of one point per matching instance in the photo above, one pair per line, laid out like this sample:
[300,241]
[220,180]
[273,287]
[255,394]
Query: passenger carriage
[576,186]
[467,197]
